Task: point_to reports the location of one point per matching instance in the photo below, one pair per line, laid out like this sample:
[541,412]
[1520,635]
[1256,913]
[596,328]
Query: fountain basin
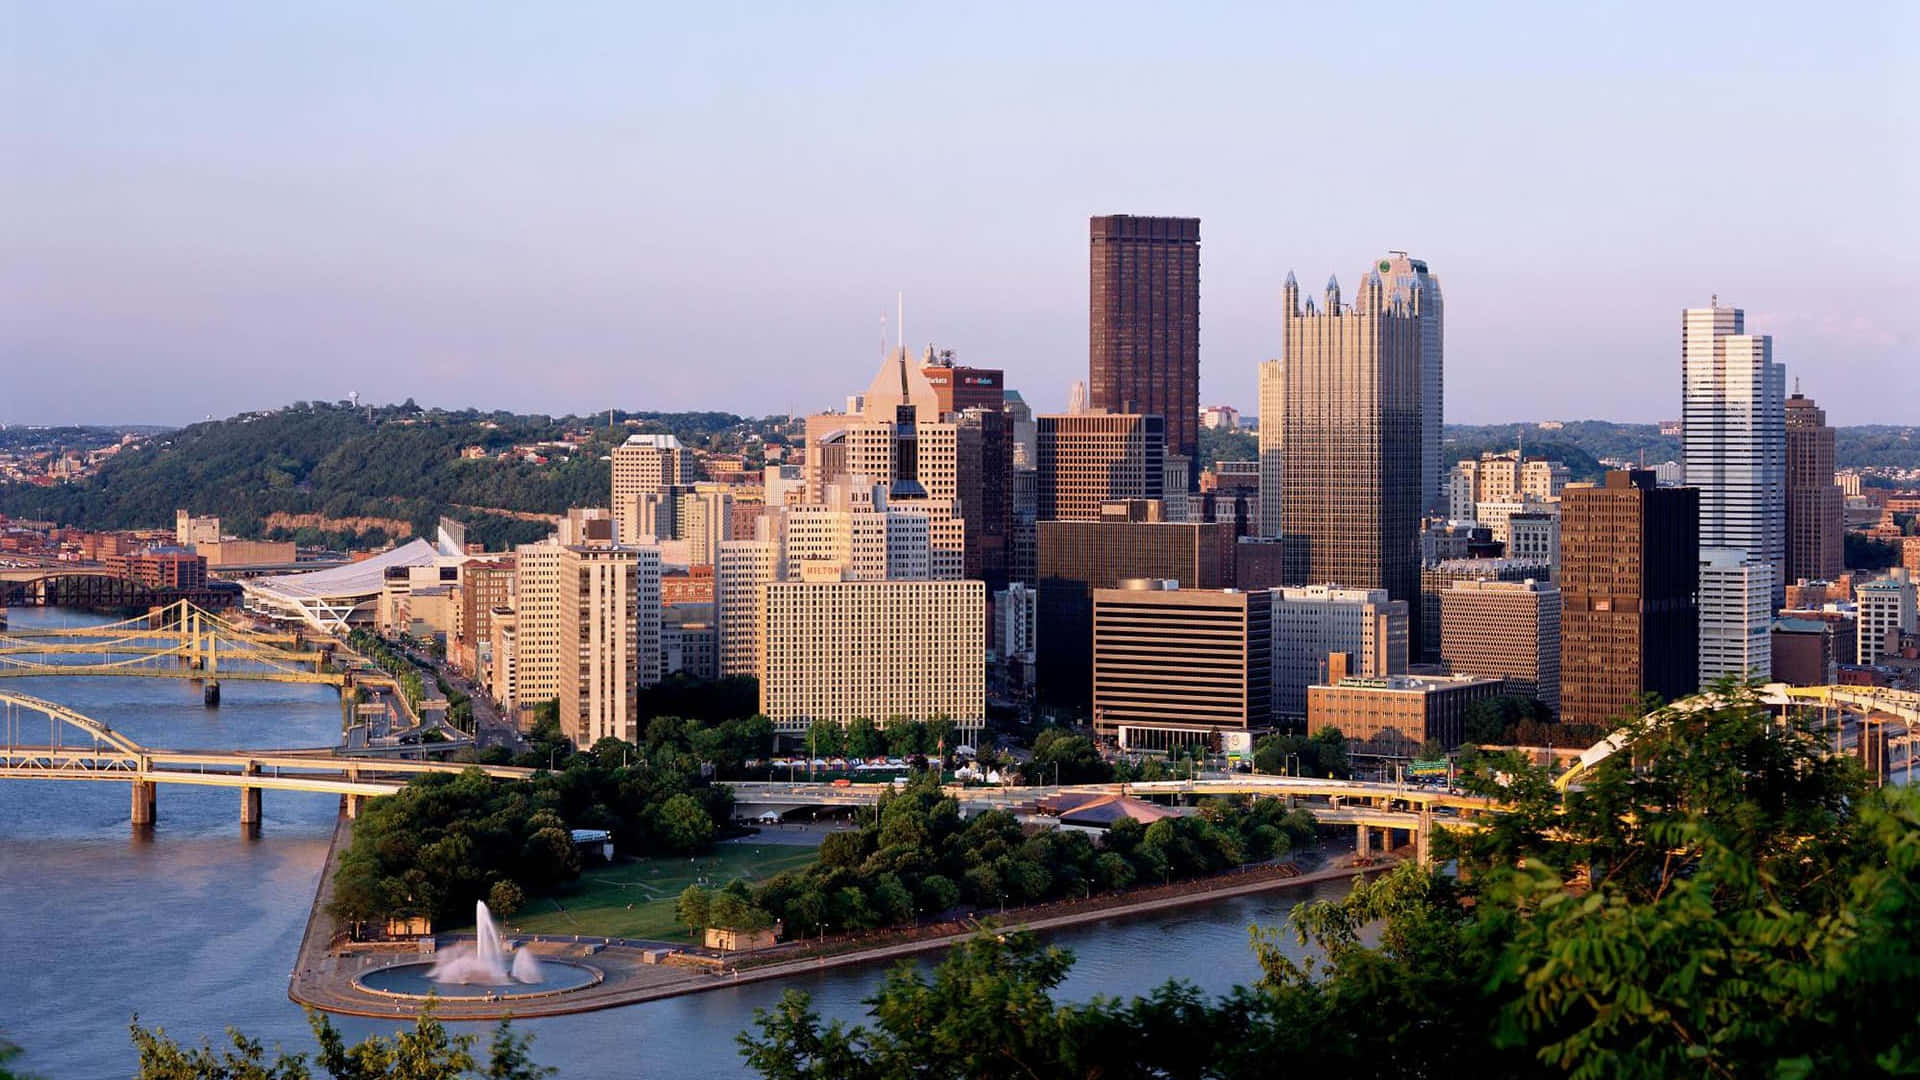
[413,981]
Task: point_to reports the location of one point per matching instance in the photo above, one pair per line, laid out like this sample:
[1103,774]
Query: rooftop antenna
[900,322]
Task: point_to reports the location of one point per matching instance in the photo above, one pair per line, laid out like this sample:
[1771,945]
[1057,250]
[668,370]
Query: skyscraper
[1144,324]
[1816,508]
[1735,435]
[1629,571]
[1406,277]
[1351,438]
[1087,459]
[1736,616]
[1273,397]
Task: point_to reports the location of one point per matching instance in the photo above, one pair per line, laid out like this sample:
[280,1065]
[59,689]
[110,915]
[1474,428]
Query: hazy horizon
[223,209]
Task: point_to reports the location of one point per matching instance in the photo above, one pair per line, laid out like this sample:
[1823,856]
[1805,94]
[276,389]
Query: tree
[427,1051]
[864,739]
[825,739]
[695,909]
[683,824]
[505,898]
[1075,757]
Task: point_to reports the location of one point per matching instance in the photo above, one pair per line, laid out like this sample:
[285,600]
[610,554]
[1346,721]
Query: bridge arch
[77,588]
[79,721]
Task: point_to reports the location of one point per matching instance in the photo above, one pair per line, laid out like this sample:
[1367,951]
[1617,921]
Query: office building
[169,568]
[536,590]
[860,529]
[1805,652]
[486,586]
[1144,325]
[957,388]
[1883,606]
[646,465]
[609,639]
[1394,716]
[984,490]
[1364,627]
[1629,574]
[882,650]
[1173,666]
[1438,578]
[1735,435]
[1505,477]
[1087,459]
[1736,616]
[1534,536]
[1351,436]
[689,640]
[189,530]
[1410,285]
[1495,516]
[1272,435]
[1016,618]
[740,578]
[1507,630]
[703,517]
[500,672]
[1816,507]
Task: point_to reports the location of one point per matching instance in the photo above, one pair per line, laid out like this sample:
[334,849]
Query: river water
[194,926]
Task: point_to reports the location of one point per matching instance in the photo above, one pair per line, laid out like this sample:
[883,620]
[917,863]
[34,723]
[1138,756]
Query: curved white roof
[360,580]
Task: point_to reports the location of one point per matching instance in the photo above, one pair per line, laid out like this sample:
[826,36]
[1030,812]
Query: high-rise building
[740,579]
[958,388]
[1173,666]
[1144,324]
[1506,630]
[1272,435]
[1351,443]
[1087,459]
[1535,536]
[609,639]
[1816,507]
[536,589]
[1076,557]
[1406,277]
[1882,605]
[1735,435]
[1629,574]
[703,517]
[1504,477]
[502,664]
[645,465]
[984,480]
[1736,616]
[880,650]
[1805,652]
[1312,622]
[1438,578]
[486,585]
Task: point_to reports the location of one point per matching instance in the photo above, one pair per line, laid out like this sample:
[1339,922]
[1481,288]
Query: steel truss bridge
[79,747]
[93,587]
[178,641]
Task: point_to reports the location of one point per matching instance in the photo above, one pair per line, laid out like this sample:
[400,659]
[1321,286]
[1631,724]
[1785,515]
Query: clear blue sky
[216,207]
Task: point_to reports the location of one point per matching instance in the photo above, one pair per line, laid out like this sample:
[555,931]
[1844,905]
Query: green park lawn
[634,897]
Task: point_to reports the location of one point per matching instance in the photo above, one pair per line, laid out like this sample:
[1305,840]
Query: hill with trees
[399,462]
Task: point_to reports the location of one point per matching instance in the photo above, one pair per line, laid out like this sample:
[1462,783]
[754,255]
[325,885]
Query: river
[194,926]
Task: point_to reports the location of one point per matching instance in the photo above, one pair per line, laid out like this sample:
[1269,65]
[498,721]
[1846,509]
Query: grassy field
[634,898]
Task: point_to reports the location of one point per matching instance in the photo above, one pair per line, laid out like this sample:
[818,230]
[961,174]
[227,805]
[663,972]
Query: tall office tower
[1273,444]
[1437,578]
[1816,507]
[842,650]
[1352,436]
[1174,666]
[958,388]
[1505,630]
[1407,278]
[984,479]
[536,587]
[1023,539]
[609,639]
[1313,621]
[1883,605]
[740,579]
[703,517]
[1735,436]
[501,672]
[1144,324]
[1629,571]
[646,465]
[1087,459]
[1736,616]
[1128,540]
[485,586]
[866,535]
[1026,448]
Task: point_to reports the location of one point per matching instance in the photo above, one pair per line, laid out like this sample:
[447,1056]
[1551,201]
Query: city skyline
[727,230]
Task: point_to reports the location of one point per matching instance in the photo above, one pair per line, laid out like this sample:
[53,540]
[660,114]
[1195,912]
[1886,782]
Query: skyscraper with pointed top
[1349,438]
[1405,277]
[1144,324]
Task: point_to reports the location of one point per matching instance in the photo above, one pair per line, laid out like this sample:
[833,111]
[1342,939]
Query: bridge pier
[210,694]
[1423,837]
[354,803]
[1363,842]
[250,803]
[145,803]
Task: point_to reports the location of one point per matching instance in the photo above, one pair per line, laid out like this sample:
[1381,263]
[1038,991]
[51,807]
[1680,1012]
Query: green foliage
[1075,757]
[683,825]
[1220,444]
[710,701]
[694,908]
[1324,754]
[505,898]
[1865,553]
[427,1051]
[1723,898]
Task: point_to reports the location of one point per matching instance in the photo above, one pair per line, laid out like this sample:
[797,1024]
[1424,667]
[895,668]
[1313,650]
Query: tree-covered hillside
[1580,443]
[399,462]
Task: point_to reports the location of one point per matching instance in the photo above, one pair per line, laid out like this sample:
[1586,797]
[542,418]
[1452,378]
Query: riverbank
[327,982]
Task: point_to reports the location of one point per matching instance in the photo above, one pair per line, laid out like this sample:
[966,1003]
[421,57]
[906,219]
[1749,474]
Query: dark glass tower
[1144,323]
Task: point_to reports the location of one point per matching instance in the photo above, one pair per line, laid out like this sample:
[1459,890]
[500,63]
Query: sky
[207,208]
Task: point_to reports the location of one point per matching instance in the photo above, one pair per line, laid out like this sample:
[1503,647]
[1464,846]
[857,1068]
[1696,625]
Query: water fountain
[485,968]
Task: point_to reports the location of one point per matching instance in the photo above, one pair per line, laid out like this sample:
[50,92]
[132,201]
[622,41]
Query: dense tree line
[1515,720]
[1726,899]
[1322,754]
[398,461]
[445,841]
[427,1051]
[914,855]
[1867,553]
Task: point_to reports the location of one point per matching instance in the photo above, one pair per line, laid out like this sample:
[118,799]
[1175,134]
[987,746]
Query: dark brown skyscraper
[1629,571]
[1816,508]
[1145,324]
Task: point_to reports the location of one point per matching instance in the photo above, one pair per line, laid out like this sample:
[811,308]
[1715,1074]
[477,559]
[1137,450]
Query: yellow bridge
[179,641]
[79,747]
